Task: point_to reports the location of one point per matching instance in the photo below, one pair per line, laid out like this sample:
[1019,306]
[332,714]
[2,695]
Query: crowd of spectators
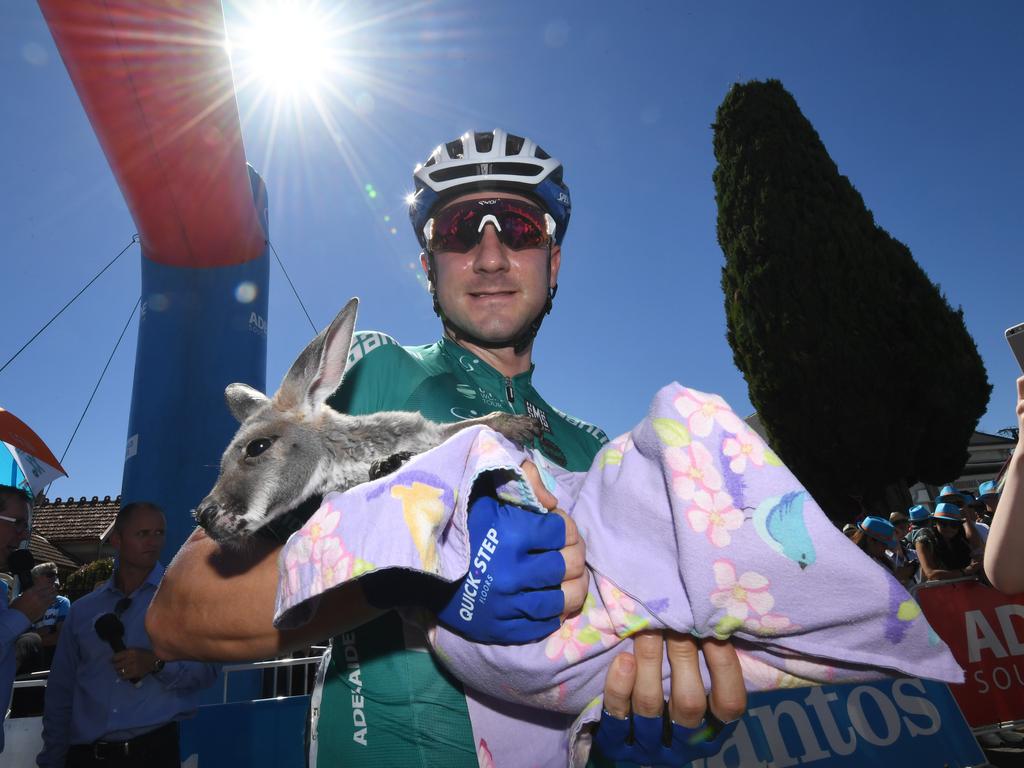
[944,539]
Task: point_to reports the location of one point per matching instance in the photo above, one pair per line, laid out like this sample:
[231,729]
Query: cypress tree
[860,370]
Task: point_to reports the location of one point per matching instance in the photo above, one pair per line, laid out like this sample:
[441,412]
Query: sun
[286,47]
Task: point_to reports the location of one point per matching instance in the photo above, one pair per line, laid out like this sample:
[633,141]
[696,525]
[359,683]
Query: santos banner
[895,722]
[985,631]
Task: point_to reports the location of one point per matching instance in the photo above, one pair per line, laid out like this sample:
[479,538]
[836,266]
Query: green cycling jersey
[381,698]
[447,383]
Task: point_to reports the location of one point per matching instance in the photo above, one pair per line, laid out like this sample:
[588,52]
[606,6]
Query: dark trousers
[156,749]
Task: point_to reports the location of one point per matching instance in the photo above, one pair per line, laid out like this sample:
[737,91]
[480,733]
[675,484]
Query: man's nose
[490,256]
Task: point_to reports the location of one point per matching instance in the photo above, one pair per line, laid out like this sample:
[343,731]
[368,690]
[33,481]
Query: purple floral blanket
[691,522]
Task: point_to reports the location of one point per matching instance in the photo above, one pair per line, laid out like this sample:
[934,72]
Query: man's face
[12,534]
[140,540]
[902,528]
[492,291]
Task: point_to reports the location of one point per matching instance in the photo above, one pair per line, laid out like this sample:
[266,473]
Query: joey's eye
[258,446]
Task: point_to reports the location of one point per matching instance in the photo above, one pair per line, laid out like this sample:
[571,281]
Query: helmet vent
[485,169]
[484,142]
[455,149]
[516,169]
[513,144]
[541,154]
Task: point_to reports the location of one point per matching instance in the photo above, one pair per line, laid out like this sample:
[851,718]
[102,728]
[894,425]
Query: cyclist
[490,212]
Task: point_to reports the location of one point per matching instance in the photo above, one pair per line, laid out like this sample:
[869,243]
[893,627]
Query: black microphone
[21,562]
[111,631]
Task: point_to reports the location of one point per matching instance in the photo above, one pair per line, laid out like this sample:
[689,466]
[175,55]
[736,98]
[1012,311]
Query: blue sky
[918,103]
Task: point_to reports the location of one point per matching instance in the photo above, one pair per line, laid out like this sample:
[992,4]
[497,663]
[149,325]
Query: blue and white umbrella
[25,461]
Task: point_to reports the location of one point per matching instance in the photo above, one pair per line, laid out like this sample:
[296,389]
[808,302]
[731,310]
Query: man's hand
[134,663]
[576,580]
[34,601]
[633,691]
[527,572]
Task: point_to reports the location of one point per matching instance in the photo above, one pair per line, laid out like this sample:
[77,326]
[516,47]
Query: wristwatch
[158,666]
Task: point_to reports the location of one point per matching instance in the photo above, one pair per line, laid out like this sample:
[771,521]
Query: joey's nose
[205,514]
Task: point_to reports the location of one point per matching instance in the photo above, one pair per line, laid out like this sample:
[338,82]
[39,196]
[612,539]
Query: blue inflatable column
[200,329]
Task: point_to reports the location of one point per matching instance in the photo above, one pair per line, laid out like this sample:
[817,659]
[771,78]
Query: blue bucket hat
[953,495]
[919,513]
[988,489]
[947,511]
[879,529]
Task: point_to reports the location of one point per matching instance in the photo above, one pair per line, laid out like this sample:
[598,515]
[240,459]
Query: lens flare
[246,292]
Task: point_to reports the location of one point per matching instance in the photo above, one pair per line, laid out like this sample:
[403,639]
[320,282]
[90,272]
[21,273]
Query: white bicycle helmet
[489,160]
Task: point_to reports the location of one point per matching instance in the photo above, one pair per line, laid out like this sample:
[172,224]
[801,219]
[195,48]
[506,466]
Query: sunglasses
[460,227]
[947,523]
[19,524]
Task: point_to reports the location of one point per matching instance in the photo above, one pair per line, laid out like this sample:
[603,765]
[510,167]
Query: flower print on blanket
[742,448]
[715,514]
[703,412]
[668,546]
[693,470]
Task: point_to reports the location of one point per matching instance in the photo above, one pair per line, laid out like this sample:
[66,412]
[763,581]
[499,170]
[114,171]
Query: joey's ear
[318,371]
[243,400]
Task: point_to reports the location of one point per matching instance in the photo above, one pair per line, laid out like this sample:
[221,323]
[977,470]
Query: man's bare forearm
[217,604]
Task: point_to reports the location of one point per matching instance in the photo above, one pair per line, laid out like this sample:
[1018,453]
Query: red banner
[985,631]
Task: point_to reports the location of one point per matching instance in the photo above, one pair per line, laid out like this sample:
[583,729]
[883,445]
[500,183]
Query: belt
[140,746]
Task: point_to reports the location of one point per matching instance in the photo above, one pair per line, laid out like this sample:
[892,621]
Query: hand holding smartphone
[1015,338]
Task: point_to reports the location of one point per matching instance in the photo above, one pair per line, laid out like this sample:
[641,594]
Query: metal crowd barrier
[280,678]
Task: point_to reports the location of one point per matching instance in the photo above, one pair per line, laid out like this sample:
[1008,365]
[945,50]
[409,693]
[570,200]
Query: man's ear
[556,262]
[428,270]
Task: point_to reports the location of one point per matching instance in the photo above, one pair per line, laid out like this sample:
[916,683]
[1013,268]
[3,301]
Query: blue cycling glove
[657,741]
[512,593]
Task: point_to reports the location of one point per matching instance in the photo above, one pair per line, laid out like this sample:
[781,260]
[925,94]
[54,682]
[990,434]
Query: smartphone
[1015,338]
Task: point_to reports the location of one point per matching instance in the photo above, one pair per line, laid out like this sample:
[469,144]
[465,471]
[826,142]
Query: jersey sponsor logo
[466,391]
[360,729]
[538,414]
[464,413]
[590,429]
[467,363]
[364,342]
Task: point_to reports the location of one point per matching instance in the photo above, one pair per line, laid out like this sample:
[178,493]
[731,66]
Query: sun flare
[285,48]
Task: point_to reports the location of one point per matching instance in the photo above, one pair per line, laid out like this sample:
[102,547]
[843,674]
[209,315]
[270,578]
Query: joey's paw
[386,466]
[521,430]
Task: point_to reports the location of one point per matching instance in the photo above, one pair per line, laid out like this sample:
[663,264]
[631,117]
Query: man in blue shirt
[53,618]
[46,631]
[15,615]
[111,702]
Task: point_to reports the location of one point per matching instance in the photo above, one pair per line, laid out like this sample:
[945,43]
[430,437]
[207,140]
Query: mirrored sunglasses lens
[518,231]
[455,230]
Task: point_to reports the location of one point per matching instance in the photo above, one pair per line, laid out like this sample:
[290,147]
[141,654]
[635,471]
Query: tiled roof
[45,552]
[74,519]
